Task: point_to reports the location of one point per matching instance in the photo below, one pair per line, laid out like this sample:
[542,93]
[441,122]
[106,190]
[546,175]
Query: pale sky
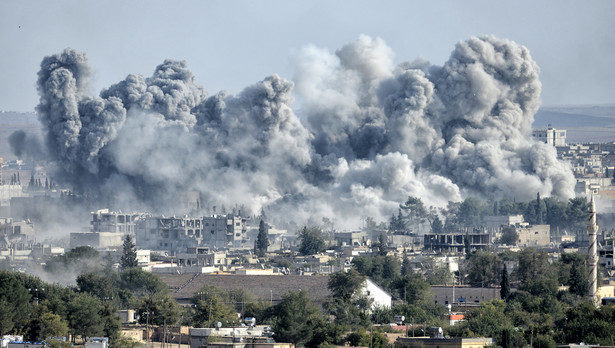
[232,44]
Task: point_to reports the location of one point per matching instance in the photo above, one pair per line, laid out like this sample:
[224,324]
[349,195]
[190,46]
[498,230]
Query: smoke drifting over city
[371,133]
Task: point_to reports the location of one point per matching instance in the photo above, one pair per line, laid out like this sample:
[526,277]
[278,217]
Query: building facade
[551,136]
[104,220]
[455,241]
[177,234]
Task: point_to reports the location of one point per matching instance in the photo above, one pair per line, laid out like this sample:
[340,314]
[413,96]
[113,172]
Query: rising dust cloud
[371,134]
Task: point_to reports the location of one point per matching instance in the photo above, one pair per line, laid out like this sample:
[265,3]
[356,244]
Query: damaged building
[108,229]
[176,234]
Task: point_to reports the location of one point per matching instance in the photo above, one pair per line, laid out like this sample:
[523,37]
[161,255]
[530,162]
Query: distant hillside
[584,123]
[11,117]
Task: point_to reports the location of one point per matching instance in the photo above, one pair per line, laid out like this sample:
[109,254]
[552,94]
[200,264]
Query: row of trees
[533,311]
[38,310]
[488,269]
[413,215]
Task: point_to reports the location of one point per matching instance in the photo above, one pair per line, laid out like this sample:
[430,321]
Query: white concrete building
[380,297]
[199,337]
[551,136]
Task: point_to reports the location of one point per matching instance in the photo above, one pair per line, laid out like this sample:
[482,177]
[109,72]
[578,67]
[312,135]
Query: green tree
[413,289]
[111,322]
[555,214]
[296,319]
[98,285]
[481,267]
[129,254]
[507,207]
[577,282]
[78,260]
[14,300]
[362,338]
[576,213]
[509,236]
[382,244]
[159,309]
[511,338]
[467,245]
[544,341]
[346,285]
[504,284]
[406,267]
[401,223]
[533,265]
[312,241]
[381,269]
[534,211]
[83,316]
[397,223]
[451,217]
[436,225]
[539,203]
[586,323]
[212,304]
[141,283]
[488,320]
[46,324]
[415,211]
[346,302]
[470,212]
[438,274]
[262,240]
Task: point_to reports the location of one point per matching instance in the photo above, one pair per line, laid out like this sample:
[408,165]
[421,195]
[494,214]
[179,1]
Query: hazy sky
[232,44]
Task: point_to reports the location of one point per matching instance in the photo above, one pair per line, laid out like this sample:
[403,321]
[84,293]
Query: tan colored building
[237,337]
[534,235]
[247,343]
[454,342]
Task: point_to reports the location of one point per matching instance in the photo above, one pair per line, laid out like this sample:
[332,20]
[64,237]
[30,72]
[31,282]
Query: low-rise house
[533,235]
[258,336]
[463,295]
[379,297]
[450,342]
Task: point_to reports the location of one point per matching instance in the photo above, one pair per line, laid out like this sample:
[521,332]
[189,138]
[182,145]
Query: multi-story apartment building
[108,229]
[551,136]
[12,231]
[104,220]
[176,234]
[455,241]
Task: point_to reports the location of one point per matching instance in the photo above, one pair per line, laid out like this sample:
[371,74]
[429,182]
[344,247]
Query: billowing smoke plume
[373,134]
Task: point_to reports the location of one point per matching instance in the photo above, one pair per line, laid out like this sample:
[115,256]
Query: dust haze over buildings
[373,134]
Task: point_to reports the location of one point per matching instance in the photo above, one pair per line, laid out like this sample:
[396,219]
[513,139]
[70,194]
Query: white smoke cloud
[375,133]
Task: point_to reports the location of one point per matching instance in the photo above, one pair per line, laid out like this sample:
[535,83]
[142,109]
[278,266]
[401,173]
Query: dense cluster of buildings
[190,251]
[592,164]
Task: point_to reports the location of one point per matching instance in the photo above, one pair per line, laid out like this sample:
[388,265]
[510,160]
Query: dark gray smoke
[375,133]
